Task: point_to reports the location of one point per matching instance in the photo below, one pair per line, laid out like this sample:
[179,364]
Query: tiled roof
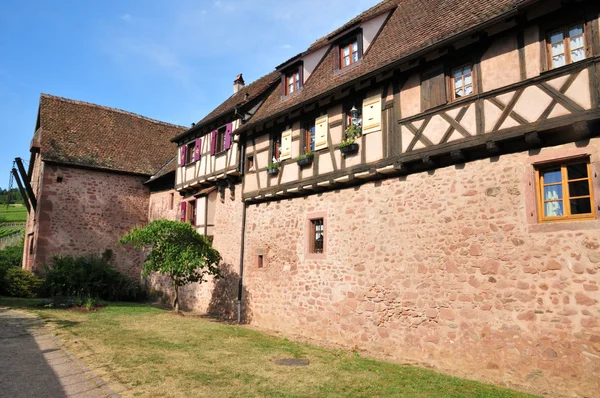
[169,167]
[84,134]
[253,90]
[413,26]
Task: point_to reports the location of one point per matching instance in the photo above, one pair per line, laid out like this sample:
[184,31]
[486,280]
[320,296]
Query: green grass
[143,351]
[13,213]
[7,231]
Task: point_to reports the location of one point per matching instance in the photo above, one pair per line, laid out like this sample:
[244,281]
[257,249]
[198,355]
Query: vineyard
[12,224]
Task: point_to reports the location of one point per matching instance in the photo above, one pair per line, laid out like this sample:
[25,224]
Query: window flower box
[348,148]
[273,169]
[305,160]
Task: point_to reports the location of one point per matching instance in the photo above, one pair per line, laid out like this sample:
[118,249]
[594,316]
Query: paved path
[33,363]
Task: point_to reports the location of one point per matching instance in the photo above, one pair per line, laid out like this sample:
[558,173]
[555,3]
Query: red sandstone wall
[439,268]
[87,213]
[160,208]
[218,298]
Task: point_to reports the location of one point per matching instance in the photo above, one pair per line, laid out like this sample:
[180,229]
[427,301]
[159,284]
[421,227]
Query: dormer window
[292,81]
[349,52]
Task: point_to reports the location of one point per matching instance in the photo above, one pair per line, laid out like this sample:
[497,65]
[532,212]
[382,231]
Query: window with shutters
[565,191]
[220,139]
[461,81]
[275,147]
[189,154]
[353,113]
[293,81]
[566,45]
[308,140]
[433,88]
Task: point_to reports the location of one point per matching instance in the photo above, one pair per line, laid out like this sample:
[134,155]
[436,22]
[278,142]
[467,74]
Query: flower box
[349,148]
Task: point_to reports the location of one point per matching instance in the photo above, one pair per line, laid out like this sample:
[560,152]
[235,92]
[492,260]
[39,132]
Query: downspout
[242,154]
[241,284]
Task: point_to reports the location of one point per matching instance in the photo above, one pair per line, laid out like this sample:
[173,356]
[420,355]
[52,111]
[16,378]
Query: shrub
[10,257]
[89,277]
[20,282]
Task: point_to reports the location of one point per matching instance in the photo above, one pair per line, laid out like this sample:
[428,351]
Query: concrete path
[33,363]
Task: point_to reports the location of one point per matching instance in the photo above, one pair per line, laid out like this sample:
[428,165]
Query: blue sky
[169,60]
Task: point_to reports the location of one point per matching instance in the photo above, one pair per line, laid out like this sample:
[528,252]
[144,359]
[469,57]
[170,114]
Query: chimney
[238,83]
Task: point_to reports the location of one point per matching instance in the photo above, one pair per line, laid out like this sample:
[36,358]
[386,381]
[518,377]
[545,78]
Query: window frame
[275,147]
[566,197]
[564,29]
[348,43]
[190,149]
[314,224]
[296,76]
[220,138]
[452,91]
[306,135]
[250,164]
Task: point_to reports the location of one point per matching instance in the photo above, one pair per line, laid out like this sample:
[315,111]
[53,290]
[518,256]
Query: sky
[173,60]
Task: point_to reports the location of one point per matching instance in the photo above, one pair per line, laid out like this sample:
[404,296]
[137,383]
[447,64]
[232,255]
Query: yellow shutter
[321,127]
[286,145]
[371,114]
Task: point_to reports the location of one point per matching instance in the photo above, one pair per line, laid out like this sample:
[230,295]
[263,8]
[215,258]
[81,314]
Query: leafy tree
[176,250]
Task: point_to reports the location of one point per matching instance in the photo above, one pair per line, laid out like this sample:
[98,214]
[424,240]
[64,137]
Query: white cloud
[126,17]
[286,46]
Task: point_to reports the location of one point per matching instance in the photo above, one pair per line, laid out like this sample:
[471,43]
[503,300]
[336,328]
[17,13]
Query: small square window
[349,53]
[565,192]
[317,235]
[462,81]
[59,179]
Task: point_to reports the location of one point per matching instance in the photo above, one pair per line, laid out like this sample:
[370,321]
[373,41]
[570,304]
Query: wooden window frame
[295,77]
[189,152]
[307,134]
[349,44]
[566,43]
[171,200]
[190,212]
[250,164]
[451,89]
[220,139]
[566,198]
[275,147]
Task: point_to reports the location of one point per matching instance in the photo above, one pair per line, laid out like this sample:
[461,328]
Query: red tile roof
[413,26]
[84,134]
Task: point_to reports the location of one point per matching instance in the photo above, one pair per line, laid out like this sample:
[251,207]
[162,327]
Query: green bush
[89,277]
[20,282]
[10,257]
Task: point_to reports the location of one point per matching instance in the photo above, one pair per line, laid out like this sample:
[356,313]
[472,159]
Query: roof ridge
[108,108]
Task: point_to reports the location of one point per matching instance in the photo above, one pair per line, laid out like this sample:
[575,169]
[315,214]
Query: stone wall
[86,213]
[218,298]
[442,268]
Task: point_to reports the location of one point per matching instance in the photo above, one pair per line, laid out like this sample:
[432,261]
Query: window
[566,45]
[260,261]
[220,137]
[433,87]
[59,179]
[292,82]
[309,137]
[171,201]
[276,147]
[349,53]
[462,81]
[191,212]
[250,163]
[189,154]
[565,192]
[317,235]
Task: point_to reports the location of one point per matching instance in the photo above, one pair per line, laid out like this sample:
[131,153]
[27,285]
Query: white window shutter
[371,117]
[321,127]
[286,145]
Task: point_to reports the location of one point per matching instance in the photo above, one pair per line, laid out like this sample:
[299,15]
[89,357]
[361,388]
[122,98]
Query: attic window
[292,81]
[350,52]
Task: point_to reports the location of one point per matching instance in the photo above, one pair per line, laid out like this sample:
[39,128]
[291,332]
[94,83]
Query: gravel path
[33,362]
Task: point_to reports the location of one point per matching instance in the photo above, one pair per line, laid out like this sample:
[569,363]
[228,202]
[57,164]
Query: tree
[176,250]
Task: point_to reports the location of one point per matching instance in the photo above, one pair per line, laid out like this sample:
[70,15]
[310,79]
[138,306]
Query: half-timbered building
[422,184]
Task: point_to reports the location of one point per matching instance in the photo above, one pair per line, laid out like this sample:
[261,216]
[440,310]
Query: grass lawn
[13,213]
[143,351]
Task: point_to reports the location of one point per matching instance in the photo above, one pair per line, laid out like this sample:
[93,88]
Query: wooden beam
[426,159]
[458,155]
[401,167]
[491,147]
[21,189]
[533,138]
[26,182]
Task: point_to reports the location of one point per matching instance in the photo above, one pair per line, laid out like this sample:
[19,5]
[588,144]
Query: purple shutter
[182,155]
[197,149]
[183,206]
[228,131]
[213,142]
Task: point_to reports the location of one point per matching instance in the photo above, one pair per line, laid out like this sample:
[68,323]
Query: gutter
[513,12]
